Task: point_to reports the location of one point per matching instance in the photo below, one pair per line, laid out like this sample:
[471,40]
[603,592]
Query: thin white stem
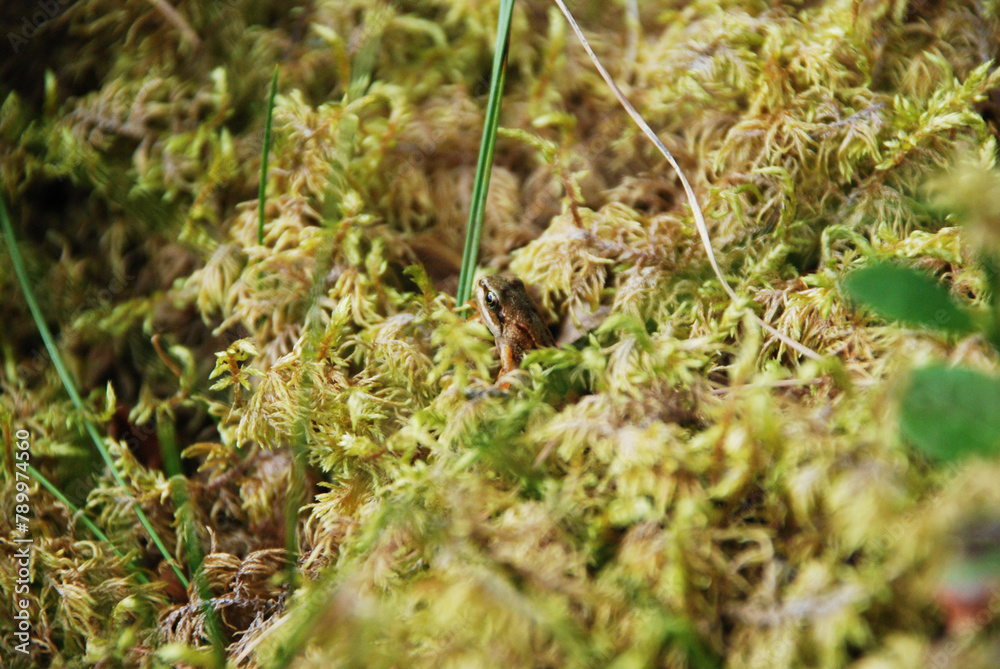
[699,218]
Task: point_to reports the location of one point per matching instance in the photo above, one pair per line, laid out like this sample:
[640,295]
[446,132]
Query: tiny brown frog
[511,316]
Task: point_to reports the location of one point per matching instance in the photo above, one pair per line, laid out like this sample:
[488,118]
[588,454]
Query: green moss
[671,487]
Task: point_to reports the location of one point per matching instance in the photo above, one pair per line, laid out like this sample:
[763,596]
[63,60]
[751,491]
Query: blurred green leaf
[952,413]
[907,295]
[973,572]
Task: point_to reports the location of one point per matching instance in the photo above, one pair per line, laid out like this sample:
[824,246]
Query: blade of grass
[365,58]
[265,153]
[699,218]
[64,375]
[484,166]
[97,532]
[195,557]
[211,620]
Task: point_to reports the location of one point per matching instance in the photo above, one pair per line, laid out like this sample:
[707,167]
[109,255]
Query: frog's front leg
[508,364]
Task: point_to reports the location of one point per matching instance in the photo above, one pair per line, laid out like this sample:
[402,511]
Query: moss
[671,487]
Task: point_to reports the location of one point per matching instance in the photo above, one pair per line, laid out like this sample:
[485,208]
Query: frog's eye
[492,301]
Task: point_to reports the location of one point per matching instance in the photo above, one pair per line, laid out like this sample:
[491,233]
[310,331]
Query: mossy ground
[672,488]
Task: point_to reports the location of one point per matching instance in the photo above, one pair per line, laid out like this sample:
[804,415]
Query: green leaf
[907,295]
[952,413]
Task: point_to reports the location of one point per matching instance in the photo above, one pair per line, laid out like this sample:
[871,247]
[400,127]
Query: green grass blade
[485,165]
[195,558]
[64,375]
[166,434]
[264,156]
[97,532]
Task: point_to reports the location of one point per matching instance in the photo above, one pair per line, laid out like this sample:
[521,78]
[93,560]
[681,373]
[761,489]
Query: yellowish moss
[671,487]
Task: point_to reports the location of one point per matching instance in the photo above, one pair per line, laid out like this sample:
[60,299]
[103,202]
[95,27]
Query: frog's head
[494,293]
